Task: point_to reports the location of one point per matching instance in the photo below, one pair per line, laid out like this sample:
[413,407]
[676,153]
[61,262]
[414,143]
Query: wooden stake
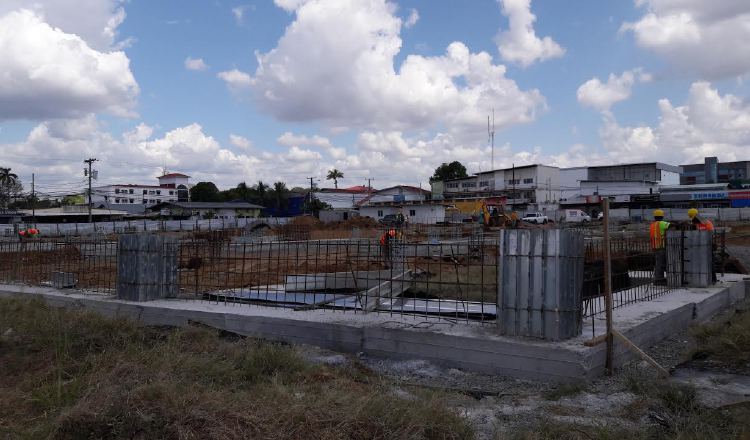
[608,288]
[641,353]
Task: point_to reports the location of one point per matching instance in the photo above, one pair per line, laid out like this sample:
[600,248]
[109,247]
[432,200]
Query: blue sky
[590,82]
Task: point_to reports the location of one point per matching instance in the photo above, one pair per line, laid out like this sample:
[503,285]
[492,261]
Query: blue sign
[709,195]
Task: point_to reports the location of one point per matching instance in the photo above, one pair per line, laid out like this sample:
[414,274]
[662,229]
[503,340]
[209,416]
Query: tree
[205,192]
[279,196]
[335,175]
[10,186]
[447,171]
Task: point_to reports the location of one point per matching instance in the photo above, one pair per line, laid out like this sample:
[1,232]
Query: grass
[69,374]
[724,342]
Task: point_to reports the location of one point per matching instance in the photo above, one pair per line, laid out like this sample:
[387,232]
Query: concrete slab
[460,345]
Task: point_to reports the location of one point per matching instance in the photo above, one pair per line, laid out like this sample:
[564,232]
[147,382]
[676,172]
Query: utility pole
[513,182]
[491,135]
[89,161]
[312,188]
[33,200]
[369,183]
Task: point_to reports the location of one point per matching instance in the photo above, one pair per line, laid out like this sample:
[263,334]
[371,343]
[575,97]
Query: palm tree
[335,175]
[278,195]
[9,185]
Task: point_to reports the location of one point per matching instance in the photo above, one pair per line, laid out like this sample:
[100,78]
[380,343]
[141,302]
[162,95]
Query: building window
[117,200]
[412,212]
[158,192]
[514,181]
[469,185]
[380,213]
[451,185]
[171,193]
[145,191]
[531,180]
[132,200]
[130,191]
[144,201]
[117,190]
[484,183]
[151,193]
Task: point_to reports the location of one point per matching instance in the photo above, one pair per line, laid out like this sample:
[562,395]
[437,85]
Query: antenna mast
[491,137]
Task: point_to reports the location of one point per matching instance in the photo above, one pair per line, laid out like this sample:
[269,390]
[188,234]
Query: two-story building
[523,188]
[136,199]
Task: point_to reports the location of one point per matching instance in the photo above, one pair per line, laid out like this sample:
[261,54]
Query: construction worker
[514,220]
[657,236]
[386,245]
[699,223]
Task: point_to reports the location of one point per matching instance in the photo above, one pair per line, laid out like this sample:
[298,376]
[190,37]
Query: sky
[284,90]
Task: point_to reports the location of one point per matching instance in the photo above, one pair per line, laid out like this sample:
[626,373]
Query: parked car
[391,220]
[536,217]
[576,216]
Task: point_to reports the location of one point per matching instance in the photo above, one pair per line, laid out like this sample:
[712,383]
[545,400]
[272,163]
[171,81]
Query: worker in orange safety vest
[699,223]
[386,245]
[657,235]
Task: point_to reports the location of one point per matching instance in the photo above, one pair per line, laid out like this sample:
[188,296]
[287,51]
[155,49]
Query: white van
[576,216]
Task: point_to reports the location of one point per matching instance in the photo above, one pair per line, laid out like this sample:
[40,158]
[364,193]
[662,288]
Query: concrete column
[690,257]
[540,277]
[146,267]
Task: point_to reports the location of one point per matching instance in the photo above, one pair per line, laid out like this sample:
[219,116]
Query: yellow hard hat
[692,212]
[658,213]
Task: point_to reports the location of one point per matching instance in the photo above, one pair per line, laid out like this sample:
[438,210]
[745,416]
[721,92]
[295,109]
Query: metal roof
[209,205]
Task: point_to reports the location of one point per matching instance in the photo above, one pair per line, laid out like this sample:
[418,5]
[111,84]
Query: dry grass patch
[72,374]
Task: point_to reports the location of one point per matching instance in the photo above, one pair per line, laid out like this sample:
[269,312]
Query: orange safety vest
[705,226]
[657,232]
[391,233]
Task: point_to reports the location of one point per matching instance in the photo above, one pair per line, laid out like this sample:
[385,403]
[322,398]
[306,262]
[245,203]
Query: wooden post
[608,288]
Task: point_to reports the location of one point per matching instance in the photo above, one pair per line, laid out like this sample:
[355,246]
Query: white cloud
[240,142]
[708,124]
[195,64]
[601,96]
[236,80]
[97,26]
[412,19]
[335,64]
[47,73]
[704,38]
[519,43]
[239,12]
[289,139]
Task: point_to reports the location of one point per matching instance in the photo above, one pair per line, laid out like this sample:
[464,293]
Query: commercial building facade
[713,171]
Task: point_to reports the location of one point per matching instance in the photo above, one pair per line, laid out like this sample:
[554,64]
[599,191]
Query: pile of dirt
[354,222]
[305,220]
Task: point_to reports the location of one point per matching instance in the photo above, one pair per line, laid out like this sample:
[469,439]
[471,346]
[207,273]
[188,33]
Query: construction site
[482,311]
[448,273]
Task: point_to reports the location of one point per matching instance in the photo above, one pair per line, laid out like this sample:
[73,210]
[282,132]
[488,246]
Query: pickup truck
[536,217]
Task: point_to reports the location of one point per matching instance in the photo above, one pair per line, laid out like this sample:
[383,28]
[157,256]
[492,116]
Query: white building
[570,182]
[397,194]
[532,187]
[415,212]
[408,200]
[136,199]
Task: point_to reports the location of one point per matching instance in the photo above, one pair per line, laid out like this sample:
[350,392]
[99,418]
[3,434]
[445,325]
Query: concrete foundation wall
[468,347]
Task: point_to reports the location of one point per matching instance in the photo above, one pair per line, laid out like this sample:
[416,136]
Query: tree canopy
[335,175]
[205,192]
[446,171]
[10,186]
